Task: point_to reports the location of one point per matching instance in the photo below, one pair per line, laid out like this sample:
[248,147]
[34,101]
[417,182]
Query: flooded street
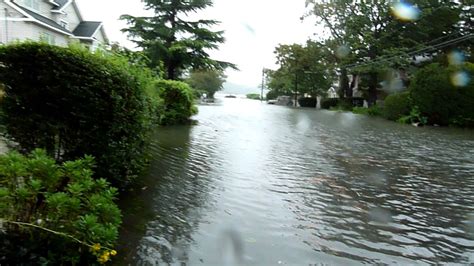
[256,184]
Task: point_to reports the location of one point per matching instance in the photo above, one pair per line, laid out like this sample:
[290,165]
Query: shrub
[329,102]
[71,103]
[178,105]
[272,95]
[308,102]
[58,212]
[374,110]
[413,117]
[437,98]
[253,96]
[396,106]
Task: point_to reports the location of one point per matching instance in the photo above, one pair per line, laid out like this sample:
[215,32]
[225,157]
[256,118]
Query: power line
[415,52]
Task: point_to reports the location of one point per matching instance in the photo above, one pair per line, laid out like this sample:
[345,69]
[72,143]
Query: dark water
[255,184]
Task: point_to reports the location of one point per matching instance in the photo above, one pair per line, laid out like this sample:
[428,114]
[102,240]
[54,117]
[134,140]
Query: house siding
[99,36]
[44,8]
[12,13]
[21,30]
[72,17]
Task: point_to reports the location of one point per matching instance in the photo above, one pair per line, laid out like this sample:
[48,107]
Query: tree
[371,32]
[206,81]
[179,43]
[303,69]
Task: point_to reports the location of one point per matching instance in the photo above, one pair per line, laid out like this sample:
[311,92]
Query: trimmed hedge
[396,106]
[436,97]
[71,102]
[308,102]
[178,102]
[329,102]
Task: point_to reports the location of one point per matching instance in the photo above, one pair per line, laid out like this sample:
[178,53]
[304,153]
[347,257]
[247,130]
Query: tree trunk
[372,100]
[170,71]
[343,83]
[350,89]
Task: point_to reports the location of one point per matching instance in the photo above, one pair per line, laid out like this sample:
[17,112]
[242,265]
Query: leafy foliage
[378,40]
[170,39]
[327,103]
[254,96]
[206,81]
[436,97]
[63,199]
[396,106]
[308,102]
[301,68]
[71,103]
[178,102]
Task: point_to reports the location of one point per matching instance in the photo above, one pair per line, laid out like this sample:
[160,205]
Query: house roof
[87,29]
[44,20]
[61,4]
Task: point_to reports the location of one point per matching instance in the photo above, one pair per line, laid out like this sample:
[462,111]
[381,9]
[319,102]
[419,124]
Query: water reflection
[255,184]
[161,216]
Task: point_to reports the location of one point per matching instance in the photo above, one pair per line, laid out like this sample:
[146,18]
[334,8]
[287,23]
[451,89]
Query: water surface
[256,184]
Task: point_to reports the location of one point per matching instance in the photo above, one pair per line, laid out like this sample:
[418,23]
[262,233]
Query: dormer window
[32,4]
[64,24]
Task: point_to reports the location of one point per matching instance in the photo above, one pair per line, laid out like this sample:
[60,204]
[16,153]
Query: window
[33,4]
[64,24]
[47,38]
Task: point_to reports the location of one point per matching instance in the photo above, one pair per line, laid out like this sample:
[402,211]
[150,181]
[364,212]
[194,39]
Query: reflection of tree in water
[388,198]
[160,217]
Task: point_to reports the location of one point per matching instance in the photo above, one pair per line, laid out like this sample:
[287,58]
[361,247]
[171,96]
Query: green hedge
[308,102]
[72,102]
[253,96]
[55,213]
[436,97]
[396,106]
[178,102]
[329,102]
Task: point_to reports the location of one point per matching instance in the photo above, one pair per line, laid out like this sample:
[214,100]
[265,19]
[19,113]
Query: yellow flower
[113,252]
[104,257]
[96,247]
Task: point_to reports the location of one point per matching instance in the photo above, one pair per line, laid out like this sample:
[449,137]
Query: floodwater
[256,184]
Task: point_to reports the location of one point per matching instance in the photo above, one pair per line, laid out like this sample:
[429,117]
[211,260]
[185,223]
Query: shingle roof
[45,20]
[86,28]
[61,4]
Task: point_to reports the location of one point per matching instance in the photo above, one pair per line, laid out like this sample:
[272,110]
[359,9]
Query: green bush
[308,102]
[396,106]
[413,117]
[253,96]
[272,95]
[178,103]
[72,102]
[437,98]
[55,214]
[372,111]
[327,103]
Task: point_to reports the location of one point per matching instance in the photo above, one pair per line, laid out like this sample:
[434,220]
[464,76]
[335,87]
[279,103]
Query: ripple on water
[304,187]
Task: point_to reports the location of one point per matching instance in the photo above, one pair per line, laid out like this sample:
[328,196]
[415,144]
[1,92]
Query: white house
[57,22]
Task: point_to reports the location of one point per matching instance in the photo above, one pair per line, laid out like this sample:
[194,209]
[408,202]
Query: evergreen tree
[172,38]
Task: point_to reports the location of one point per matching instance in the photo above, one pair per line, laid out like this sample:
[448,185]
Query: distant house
[57,22]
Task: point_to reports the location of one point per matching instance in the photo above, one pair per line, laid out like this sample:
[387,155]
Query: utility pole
[263,84]
[296,88]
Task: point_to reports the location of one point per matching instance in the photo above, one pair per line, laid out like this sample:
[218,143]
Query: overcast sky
[253,28]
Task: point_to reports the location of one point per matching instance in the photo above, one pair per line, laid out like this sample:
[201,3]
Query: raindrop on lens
[406,11]
[342,51]
[455,58]
[380,215]
[460,79]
